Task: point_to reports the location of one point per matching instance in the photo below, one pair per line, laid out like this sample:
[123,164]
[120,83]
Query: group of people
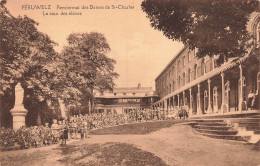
[76,127]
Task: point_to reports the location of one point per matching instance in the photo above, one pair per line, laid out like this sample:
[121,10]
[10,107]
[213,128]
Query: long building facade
[205,89]
[125,99]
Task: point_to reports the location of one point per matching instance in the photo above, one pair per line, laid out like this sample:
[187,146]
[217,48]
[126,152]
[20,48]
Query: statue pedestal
[18,113]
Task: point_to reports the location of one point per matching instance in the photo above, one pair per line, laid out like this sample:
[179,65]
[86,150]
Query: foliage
[86,64]
[214,27]
[28,56]
[24,52]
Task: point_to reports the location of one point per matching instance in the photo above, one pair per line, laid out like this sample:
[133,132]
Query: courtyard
[171,142]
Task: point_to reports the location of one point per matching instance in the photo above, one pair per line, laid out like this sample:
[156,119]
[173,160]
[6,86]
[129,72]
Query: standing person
[55,131]
[84,129]
[250,98]
[65,131]
[255,98]
[46,134]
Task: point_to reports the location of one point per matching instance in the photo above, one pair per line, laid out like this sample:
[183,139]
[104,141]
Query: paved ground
[177,145]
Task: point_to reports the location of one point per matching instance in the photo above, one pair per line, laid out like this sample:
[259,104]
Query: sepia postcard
[129,82]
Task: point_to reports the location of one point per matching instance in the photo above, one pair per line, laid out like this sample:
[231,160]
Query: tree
[86,64]
[214,27]
[24,55]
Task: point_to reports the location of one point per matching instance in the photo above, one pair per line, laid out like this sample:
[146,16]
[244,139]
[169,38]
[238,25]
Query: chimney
[139,86]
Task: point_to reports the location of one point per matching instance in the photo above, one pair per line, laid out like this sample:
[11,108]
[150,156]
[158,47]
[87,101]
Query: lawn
[136,128]
[108,154]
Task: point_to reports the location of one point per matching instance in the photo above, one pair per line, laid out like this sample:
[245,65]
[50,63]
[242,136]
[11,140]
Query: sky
[141,52]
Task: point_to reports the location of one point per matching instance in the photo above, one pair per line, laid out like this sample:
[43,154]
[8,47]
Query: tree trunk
[39,120]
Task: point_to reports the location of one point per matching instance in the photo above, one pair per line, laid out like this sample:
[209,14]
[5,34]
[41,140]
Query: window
[114,94]
[179,82]
[195,71]
[214,63]
[124,94]
[183,60]
[258,80]
[257,32]
[173,86]
[205,100]
[189,56]
[184,76]
[203,67]
[189,75]
[133,94]
[179,65]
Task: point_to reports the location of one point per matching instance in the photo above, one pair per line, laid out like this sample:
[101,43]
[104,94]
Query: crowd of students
[76,127]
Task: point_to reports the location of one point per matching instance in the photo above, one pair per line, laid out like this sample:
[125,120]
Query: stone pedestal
[18,112]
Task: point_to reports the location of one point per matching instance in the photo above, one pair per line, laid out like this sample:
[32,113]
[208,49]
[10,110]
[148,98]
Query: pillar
[165,106]
[199,111]
[209,98]
[223,92]
[240,104]
[178,100]
[190,110]
[183,97]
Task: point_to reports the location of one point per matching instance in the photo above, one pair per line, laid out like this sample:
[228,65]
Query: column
[240,104]
[166,104]
[223,93]
[178,100]
[183,96]
[209,98]
[199,111]
[190,110]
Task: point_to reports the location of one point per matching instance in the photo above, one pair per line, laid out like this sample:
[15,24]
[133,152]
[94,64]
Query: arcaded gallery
[205,89]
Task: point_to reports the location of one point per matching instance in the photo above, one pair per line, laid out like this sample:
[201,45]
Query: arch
[255,28]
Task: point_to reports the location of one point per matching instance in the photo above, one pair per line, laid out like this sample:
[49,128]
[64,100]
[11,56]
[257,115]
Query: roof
[131,89]
[174,57]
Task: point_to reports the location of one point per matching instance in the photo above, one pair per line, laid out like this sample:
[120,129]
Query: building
[125,99]
[204,88]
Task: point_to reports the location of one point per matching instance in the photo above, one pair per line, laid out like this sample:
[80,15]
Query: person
[47,135]
[35,136]
[73,128]
[55,131]
[83,129]
[255,98]
[250,99]
[23,135]
[64,133]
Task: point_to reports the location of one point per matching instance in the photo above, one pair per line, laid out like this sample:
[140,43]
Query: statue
[18,112]
[19,94]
